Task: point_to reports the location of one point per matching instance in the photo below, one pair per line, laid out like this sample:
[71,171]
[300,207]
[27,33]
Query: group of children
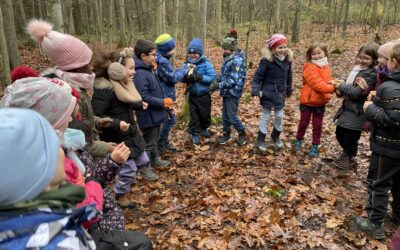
[78,146]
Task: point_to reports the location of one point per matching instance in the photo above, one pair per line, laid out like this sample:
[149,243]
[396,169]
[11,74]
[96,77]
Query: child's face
[149,59]
[383,61]
[393,65]
[364,60]
[280,51]
[194,56]
[129,69]
[317,54]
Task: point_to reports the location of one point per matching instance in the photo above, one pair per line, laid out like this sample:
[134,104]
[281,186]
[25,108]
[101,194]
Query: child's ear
[142,56]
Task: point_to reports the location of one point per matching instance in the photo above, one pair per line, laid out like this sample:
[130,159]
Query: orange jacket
[316,89]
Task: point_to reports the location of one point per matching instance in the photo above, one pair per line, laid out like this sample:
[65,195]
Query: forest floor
[229,197]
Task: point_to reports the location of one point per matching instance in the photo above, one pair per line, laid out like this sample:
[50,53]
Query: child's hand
[145,105]
[336,83]
[111,146]
[361,83]
[104,122]
[120,154]
[371,95]
[256,98]
[123,126]
[366,104]
[168,102]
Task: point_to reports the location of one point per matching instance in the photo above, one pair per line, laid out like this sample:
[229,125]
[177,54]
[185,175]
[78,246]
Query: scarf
[76,80]
[126,92]
[383,73]
[321,62]
[74,140]
[353,74]
[66,196]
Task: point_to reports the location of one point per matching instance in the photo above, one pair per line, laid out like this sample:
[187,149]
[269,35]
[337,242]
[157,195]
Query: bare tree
[384,16]
[296,22]
[346,15]
[218,20]
[277,16]
[203,25]
[4,53]
[9,32]
[252,14]
[55,14]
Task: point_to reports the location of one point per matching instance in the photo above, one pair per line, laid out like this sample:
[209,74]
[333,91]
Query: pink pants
[317,121]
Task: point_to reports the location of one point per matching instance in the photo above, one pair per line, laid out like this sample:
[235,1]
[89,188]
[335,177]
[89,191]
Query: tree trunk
[277,16]
[110,22]
[203,25]
[3,49]
[55,14]
[346,16]
[71,23]
[374,13]
[296,22]
[286,20]
[162,10]
[121,20]
[252,12]
[384,16]
[175,19]
[191,14]
[21,16]
[218,20]
[9,32]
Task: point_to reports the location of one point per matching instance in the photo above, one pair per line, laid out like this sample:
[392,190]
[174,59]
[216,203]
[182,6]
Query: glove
[168,102]
[197,77]
[214,86]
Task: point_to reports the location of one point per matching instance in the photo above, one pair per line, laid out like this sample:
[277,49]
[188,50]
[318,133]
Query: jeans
[166,127]
[229,114]
[127,174]
[317,121]
[151,136]
[266,114]
[384,176]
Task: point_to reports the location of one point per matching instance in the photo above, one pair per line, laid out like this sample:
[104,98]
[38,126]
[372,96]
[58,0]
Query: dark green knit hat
[229,43]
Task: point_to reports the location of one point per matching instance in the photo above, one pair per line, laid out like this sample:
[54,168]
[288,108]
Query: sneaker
[225,138]
[371,229]
[160,163]
[195,139]
[205,133]
[242,138]
[261,142]
[148,174]
[314,151]
[298,145]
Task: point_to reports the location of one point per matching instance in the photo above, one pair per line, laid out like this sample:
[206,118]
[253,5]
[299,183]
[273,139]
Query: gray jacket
[351,115]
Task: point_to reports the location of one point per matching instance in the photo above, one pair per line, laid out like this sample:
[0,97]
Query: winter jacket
[204,68]
[168,76]
[351,114]
[233,75]
[96,147]
[385,117]
[106,104]
[316,90]
[272,81]
[148,85]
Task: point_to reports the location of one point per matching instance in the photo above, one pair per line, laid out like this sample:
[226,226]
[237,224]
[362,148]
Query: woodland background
[230,197]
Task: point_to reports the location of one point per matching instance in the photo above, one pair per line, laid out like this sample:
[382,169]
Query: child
[148,85]
[199,90]
[168,78]
[72,59]
[316,92]
[384,167]
[233,76]
[115,96]
[34,196]
[350,116]
[271,85]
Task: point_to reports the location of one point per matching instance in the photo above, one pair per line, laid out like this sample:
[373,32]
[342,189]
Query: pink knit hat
[384,49]
[276,40]
[65,51]
[52,100]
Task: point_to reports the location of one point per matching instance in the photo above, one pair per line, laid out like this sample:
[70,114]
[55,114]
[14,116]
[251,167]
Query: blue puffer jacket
[168,76]
[273,80]
[233,75]
[148,85]
[204,68]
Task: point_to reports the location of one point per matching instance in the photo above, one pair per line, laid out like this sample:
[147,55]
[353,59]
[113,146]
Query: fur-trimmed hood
[267,54]
[102,83]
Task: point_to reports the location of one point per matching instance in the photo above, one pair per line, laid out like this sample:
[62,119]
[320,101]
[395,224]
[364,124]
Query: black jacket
[384,114]
[106,104]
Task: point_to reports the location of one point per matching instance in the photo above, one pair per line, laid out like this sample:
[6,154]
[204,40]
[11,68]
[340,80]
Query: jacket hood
[102,83]
[394,76]
[139,64]
[267,54]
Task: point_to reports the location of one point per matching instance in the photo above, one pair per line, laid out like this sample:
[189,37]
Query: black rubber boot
[275,138]
[261,141]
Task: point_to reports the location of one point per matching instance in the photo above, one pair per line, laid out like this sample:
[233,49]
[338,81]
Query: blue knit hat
[165,43]
[196,46]
[28,154]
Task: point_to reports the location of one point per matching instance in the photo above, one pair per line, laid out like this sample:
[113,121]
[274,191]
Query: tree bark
[203,26]
[10,33]
[296,22]
[122,25]
[218,20]
[277,16]
[346,16]
[110,22]
[4,52]
[252,12]
[374,13]
[384,16]
[55,14]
